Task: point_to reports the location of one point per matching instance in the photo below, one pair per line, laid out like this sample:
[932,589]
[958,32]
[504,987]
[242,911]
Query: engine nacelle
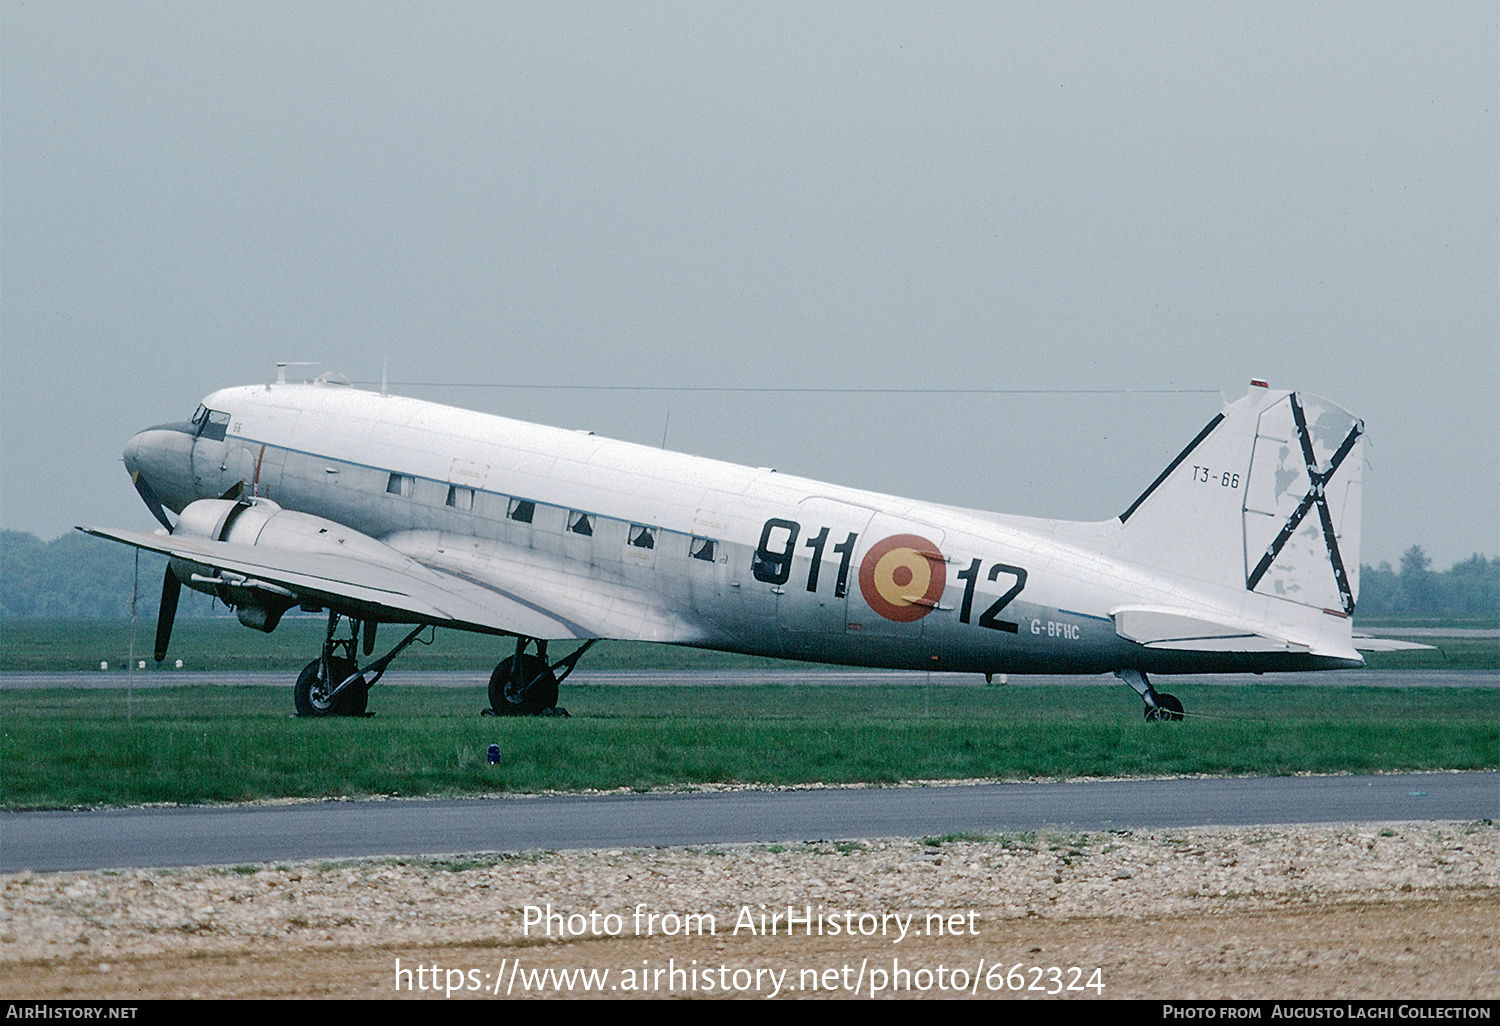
[260,604]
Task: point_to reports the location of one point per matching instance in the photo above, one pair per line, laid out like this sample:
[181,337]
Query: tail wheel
[530,692]
[1168,708]
[312,691]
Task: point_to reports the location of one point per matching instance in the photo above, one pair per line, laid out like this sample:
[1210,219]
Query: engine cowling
[260,604]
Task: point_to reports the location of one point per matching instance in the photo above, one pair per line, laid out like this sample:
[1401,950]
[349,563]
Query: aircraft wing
[605,605]
[366,581]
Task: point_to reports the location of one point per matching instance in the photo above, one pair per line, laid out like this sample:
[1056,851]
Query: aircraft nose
[159,461]
[132,453]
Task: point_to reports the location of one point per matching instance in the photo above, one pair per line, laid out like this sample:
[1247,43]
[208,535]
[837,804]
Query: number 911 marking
[901,577]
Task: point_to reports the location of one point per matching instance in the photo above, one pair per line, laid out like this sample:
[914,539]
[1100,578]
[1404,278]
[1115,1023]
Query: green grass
[1440,622]
[214,744]
[73,747]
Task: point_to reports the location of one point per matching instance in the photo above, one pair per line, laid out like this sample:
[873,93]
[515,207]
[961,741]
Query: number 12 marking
[990,617]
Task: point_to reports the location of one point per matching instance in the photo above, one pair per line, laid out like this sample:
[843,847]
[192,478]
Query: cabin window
[460,497]
[522,510]
[400,484]
[580,523]
[641,536]
[702,548]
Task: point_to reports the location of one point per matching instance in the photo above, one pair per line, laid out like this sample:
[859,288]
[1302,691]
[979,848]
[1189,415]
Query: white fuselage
[624,541]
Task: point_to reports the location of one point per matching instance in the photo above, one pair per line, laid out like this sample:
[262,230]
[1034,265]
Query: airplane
[1242,555]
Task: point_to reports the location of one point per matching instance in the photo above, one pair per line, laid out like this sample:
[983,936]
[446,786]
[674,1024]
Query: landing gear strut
[526,685]
[1160,707]
[334,684]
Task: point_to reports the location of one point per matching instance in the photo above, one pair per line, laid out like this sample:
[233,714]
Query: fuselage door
[898,579]
[238,469]
[821,573]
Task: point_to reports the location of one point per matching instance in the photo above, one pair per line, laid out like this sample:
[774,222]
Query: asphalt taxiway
[122,838]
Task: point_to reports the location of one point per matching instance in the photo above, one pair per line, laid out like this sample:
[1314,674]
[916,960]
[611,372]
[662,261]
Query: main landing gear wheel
[1168,709]
[312,691]
[529,691]
[319,691]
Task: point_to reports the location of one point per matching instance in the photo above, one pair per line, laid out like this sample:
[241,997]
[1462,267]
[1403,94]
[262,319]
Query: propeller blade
[171,588]
[234,491]
[153,503]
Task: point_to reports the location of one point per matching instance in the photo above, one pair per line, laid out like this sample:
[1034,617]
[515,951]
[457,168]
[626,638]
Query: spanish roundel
[902,577]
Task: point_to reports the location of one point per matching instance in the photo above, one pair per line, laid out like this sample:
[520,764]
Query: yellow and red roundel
[902,577]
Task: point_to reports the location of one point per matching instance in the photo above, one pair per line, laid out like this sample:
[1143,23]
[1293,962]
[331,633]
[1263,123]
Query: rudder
[1302,504]
[1266,498]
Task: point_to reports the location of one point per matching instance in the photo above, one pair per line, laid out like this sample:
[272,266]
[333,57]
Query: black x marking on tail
[1314,497]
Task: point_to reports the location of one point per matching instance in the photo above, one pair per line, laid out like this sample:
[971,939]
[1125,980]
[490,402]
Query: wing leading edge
[397,589]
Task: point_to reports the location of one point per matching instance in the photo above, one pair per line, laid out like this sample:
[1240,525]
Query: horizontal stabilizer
[1183,631]
[1368,644]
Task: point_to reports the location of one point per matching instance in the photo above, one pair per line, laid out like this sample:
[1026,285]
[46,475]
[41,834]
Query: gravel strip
[482,897]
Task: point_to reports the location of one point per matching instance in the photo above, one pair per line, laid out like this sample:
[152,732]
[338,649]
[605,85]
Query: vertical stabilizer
[1266,499]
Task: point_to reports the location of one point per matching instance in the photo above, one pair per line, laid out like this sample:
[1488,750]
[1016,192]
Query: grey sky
[1010,196]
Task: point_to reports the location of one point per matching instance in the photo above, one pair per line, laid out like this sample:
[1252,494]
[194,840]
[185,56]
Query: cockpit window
[212,424]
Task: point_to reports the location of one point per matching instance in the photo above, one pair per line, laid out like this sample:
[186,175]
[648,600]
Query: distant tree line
[1468,588]
[80,576]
